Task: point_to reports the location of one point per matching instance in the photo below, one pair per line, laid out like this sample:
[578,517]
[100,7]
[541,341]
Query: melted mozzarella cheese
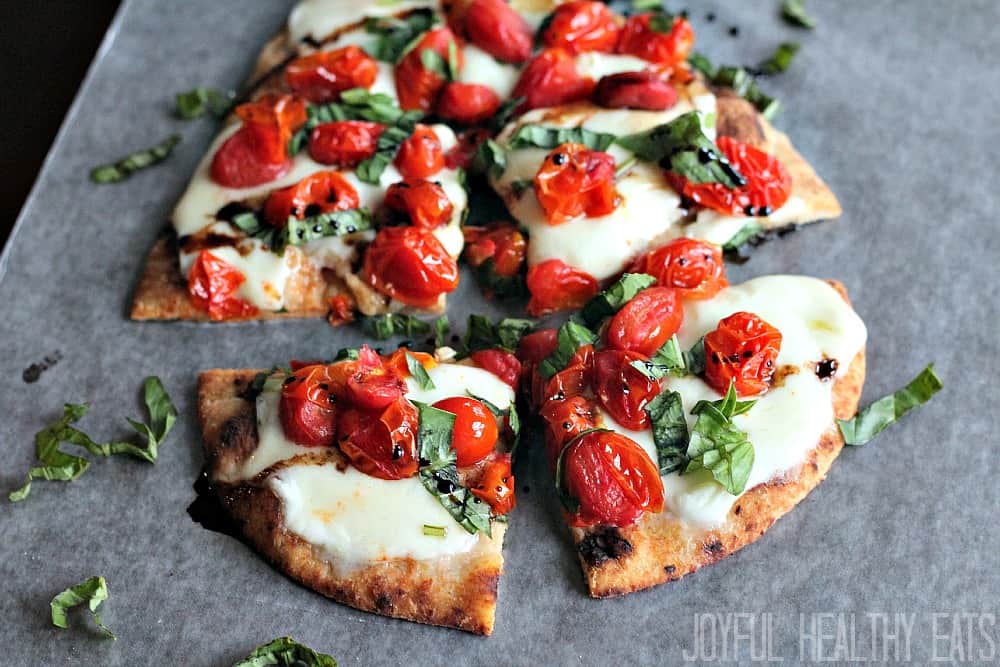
[719,228]
[786,422]
[319,18]
[482,68]
[385,81]
[598,65]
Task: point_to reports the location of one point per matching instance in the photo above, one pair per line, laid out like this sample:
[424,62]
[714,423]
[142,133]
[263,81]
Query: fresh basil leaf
[371,169]
[418,372]
[271,380]
[781,59]
[668,360]
[647,5]
[128,165]
[700,62]
[434,531]
[670,432]
[794,11]
[718,445]
[661,22]
[746,232]
[505,112]
[288,652]
[311,228]
[357,104]
[196,103]
[93,592]
[744,85]
[490,159]
[396,34]
[611,300]
[433,61]
[386,326]
[539,136]
[694,359]
[434,436]
[571,337]
[482,334]
[889,409]
[441,328]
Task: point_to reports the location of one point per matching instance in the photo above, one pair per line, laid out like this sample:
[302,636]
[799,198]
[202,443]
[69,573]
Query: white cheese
[598,65]
[719,228]
[482,68]
[319,18]
[385,81]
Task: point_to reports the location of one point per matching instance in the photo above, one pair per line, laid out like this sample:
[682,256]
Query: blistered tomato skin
[646,322]
[612,478]
[643,38]
[575,180]
[582,26]
[475,433]
[322,192]
[418,87]
[467,103]
[381,443]
[551,79]
[694,268]
[422,203]
[322,76]
[212,286]
[635,90]
[554,286]
[742,350]
[502,364]
[564,420]
[496,485]
[239,163]
[344,143]
[623,390]
[496,28]
[307,408]
[372,385]
[421,155]
[503,243]
[409,264]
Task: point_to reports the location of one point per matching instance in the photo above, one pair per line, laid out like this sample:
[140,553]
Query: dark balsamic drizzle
[826,369]
[734,31]
[33,372]
[208,511]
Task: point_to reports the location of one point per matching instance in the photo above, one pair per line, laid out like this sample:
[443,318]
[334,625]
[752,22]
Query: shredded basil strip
[287,652]
[794,11]
[386,326]
[441,328]
[371,169]
[571,337]
[670,432]
[647,5]
[701,62]
[57,465]
[781,59]
[668,360]
[128,165]
[354,104]
[680,146]
[93,592]
[434,531]
[889,409]
[718,445]
[490,159]
[694,359]
[611,300]
[482,334]
[395,35]
[299,232]
[743,84]
[748,231]
[539,136]
[418,372]
[200,101]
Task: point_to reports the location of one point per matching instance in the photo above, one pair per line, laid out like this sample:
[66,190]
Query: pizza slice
[382,482]
[684,416]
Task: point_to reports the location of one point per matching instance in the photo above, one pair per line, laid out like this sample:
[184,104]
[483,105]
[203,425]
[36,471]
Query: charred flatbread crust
[659,548]
[457,592]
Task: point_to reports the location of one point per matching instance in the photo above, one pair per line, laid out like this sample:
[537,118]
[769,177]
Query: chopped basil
[395,35]
[661,21]
[93,592]
[718,445]
[539,136]
[668,360]
[58,465]
[490,159]
[371,169]
[700,62]
[441,328]
[287,652]
[670,432]
[418,372]
[433,61]
[748,231]
[271,380]
[781,59]
[694,359]
[744,85]
[647,5]
[128,165]
[495,285]
[386,326]
[571,337]
[611,300]
[680,146]
[482,334]
[355,104]
[889,409]
[434,531]
[196,103]
[347,353]
[338,223]
[794,11]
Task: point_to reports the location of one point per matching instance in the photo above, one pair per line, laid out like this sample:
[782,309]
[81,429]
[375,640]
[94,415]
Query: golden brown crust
[457,592]
[659,548]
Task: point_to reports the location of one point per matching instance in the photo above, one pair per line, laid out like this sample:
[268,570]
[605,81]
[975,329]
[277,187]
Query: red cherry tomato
[646,36]
[460,155]
[322,192]
[742,350]
[581,26]
[475,433]
[420,156]
[258,152]
[341,310]
[467,103]
[381,443]
[496,28]
[623,390]
[344,143]
[635,90]
[768,183]
[551,79]
[694,268]
[612,478]
[554,285]
[423,203]
[398,363]
[496,486]
[371,385]
[409,264]
[572,380]
[322,76]
[575,180]
[502,243]
[417,86]
[307,407]
[538,345]
[502,364]
[564,420]
[646,322]
[212,284]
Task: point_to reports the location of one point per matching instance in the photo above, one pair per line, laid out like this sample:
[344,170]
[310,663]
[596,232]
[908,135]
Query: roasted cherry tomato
[575,180]
[307,408]
[572,380]
[612,478]
[212,284]
[646,322]
[496,28]
[581,26]
[467,103]
[423,203]
[657,38]
[554,285]
[623,390]
[469,141]
[344,143]
[496,485]
[322,76]
[322,192]
[538,345]
[564,420]
[381,443]
[420,156]
[257,153]
[475,433]
[502,243]
[635,90]
[551,79]
[417,86]
[409,264]
[742,350]
[767,188]
[694,268]
[502,364]
[372,385]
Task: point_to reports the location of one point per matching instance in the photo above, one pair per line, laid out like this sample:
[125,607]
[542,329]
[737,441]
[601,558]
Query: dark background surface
[39,80]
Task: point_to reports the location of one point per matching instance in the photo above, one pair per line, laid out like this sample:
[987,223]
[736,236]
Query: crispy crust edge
[459,592]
